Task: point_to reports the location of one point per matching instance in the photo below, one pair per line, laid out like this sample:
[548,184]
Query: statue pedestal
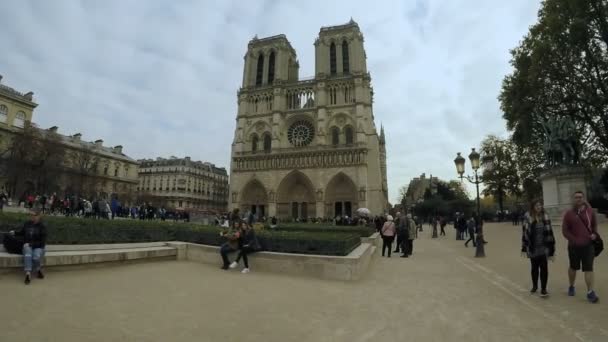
[559,184]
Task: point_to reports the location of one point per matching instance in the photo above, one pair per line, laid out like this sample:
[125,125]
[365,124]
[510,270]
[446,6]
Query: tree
[34,161]
[561,70]
[503,179]
[529,164]
[403,195]
[84,163]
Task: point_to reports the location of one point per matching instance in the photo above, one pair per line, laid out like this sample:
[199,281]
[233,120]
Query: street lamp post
[487,161]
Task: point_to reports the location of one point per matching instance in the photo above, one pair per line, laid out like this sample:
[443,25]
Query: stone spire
[382,140]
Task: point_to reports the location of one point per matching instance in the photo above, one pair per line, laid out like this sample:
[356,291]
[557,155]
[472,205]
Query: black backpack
[12,244]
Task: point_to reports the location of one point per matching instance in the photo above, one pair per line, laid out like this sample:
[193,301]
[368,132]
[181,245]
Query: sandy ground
[441,294]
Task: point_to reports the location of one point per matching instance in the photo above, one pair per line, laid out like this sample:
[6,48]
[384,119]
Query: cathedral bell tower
[307,148]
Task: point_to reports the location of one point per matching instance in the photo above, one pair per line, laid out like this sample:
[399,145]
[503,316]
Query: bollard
[479,249]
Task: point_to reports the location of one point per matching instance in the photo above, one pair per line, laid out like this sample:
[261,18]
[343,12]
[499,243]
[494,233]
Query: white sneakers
[235,264]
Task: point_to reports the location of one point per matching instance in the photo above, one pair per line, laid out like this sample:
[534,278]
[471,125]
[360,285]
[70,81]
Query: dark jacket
[33,233]
[528,237]
[249,240]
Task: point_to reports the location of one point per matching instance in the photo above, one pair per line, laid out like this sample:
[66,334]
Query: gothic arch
[296,196]
[255,142]
[254,198]
[341,196]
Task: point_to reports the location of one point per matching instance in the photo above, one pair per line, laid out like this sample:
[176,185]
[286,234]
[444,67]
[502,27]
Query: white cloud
[161,77]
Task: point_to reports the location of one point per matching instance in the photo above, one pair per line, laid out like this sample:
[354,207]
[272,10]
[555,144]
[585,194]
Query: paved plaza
[441,294]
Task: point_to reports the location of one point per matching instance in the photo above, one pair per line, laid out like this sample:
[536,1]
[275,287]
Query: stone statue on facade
[561,146]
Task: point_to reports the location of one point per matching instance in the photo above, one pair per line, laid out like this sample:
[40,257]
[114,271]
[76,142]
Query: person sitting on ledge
[34,242]
[248,243]
[232,245]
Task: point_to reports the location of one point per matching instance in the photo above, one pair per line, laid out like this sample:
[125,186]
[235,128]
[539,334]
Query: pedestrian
[434,233]
[411,236]
[232,245]
[538,244]
[471,225]
[388,235]
[34,243]
[579,227]
[248,243]
[3,199]
[401,225]
[442,223]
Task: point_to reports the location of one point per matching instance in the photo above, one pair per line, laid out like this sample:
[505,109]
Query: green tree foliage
[34,160]
[449,198]
[503,179]
[561,70]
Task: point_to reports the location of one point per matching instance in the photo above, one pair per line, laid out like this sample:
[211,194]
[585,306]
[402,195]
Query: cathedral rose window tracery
[301,133]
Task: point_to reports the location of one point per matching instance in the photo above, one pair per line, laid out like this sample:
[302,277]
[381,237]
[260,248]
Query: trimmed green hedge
[68,230]
[362,231]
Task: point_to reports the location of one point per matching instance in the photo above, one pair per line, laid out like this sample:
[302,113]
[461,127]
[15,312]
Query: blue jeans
[32,257]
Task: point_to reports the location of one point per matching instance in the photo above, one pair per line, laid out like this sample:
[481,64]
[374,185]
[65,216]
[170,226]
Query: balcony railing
[311,159]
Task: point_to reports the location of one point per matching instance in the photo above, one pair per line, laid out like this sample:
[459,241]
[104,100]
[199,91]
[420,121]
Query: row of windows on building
[199,187]
[335,139]
[106,171]
[333,67]
[19,120]
[190,170]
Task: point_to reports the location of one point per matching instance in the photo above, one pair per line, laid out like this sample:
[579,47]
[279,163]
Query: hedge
[362,231]
[69,230]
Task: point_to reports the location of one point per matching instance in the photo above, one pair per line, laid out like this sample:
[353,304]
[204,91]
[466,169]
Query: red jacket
[575,223]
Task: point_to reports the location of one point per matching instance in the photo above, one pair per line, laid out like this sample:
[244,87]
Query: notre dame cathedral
[309,147]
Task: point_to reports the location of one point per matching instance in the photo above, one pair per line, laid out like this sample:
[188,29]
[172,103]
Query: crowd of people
[579,227]
[98,208]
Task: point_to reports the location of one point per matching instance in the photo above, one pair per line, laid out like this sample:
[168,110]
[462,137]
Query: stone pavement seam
[496,282]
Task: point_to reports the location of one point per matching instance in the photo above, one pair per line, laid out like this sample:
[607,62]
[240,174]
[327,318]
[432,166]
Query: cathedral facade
[307,148]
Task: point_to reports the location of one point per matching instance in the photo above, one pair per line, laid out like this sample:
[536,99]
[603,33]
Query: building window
[116,172]
[335,136]
[105,170]
[267,143]
[180,204]
[271,67]
[3,114]
[332,59]
[259,71]
[19,120]
[345,60]
[254,143]
[348,134]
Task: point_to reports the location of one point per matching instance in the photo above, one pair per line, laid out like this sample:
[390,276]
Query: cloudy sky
[160,77]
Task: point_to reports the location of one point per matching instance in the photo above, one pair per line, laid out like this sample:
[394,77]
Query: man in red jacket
[580,229]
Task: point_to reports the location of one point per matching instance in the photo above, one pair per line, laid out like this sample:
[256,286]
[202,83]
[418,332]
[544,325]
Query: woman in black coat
[34,243]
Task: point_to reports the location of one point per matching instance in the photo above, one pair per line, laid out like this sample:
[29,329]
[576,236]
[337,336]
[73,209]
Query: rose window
[301,133]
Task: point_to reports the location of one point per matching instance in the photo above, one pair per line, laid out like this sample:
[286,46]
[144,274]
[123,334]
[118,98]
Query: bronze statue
[561,145]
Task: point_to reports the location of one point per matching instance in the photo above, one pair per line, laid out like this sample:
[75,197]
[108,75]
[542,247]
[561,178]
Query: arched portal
[341,196]
[254,199]
[295,197]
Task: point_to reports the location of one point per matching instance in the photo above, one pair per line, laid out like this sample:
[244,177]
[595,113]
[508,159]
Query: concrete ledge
[347,268]
[55,257]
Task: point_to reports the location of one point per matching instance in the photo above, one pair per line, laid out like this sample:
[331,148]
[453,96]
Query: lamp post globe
[474,158]
[459,162]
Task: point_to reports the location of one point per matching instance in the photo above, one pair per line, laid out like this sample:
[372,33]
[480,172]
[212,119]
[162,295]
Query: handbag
[598,243]
[13,244]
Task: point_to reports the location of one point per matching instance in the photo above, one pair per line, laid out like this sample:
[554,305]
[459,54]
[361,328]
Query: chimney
[99,143]
[77,136]
[187,158]
[118,149]
[29,95]
[53,129]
